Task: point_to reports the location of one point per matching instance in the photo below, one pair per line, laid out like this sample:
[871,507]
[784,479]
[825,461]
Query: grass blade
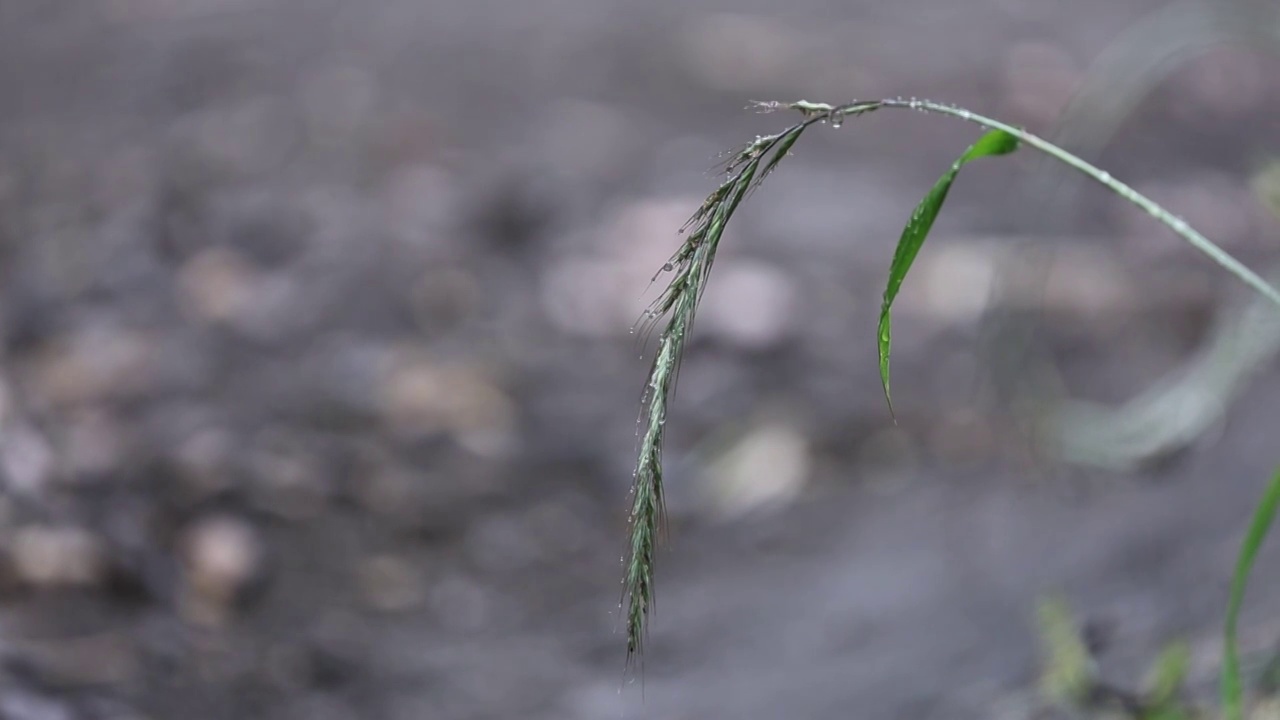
[1258,527]
[1068,673]
[994,142]
[1168,675]
[1161,215]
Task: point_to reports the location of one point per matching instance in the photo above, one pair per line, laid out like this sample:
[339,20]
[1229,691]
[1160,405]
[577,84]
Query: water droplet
[668,267]
[1104,176]
[837,120]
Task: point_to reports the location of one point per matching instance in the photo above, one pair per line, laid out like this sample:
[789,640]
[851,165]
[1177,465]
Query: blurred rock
[560,526]
[290,481]
[222,557]
[46,556]
[345,220]
[461,604]
[288,666]
[391,584]
[388,489]
[27,458]
[216,286]
[952,283]
[99,360]
[580,297]
[108,659]
[1087,282]
[501,543]
[95,444]
[419,397]
[203,461]
[271,228]
[419,202]
[21,705]
[515,206]
[766,468]
[281,310]
[750,305]
[444,297]
[962,439]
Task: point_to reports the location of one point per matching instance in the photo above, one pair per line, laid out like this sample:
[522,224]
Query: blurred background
[319,395]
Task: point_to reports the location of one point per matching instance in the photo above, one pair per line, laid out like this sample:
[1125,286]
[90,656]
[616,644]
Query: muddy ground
[319,396]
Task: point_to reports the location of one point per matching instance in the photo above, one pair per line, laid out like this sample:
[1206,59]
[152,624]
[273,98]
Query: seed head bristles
[690,265]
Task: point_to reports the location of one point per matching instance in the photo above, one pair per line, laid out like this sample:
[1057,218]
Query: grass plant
[673,313]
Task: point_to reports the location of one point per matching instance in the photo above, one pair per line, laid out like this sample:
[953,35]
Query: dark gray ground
[319,396]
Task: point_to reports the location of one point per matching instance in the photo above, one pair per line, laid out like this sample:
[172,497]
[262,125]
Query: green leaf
[1262,516]
[995,142]
[1168,674]
[1068,671]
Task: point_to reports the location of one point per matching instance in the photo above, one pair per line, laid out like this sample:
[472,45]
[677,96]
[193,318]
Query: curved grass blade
[1161,215]
[994,142]
[1262,516]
